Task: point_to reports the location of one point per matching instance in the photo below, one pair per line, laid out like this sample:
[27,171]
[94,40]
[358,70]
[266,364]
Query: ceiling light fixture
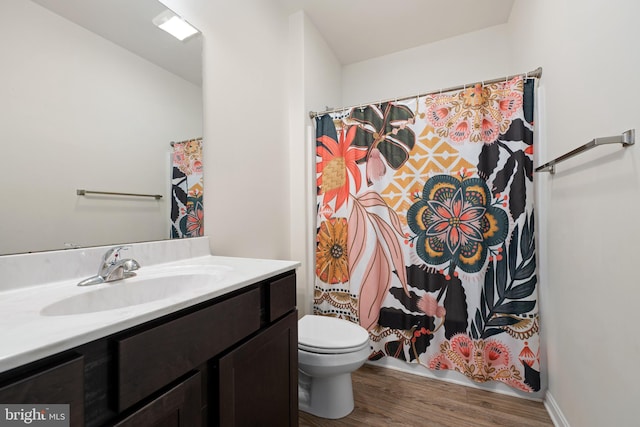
[174,25]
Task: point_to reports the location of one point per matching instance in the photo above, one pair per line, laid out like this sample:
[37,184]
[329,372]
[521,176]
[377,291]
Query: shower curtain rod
[533,74]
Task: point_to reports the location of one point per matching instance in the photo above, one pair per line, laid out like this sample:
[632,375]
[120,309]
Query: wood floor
[386,397]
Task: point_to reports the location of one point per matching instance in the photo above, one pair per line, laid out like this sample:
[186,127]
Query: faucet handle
[113,252]
[129,266]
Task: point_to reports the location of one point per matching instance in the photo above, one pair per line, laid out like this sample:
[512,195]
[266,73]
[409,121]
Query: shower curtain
[187,213]
[425,229]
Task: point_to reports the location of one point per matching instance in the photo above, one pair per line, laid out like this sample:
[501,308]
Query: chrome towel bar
[626,139]
[109,193]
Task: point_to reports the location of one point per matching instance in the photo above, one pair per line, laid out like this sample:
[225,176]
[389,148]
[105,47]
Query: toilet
[329,349]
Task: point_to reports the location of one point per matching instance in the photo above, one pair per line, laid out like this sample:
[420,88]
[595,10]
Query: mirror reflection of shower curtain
[187,211]
[425,230]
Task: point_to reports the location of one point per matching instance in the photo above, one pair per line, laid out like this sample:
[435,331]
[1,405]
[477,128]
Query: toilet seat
[325,350]
[330,335]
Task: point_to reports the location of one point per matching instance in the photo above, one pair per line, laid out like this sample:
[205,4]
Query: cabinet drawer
[60,383]
[282,296]
[153,358]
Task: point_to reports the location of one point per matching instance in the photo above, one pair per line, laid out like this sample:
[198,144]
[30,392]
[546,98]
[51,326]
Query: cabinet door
[178,407]
[258,381]
[60,382]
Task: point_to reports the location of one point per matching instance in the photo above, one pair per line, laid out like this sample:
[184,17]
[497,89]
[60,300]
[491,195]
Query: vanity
[220,352]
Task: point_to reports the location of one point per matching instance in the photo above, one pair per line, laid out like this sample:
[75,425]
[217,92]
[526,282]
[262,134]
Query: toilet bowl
[329,349]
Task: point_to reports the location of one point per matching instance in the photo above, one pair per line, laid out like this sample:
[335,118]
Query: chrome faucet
[113,268]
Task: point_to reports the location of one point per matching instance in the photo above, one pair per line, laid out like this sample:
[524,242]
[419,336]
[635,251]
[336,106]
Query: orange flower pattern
[480,360]
[331,254]
[477,114]
[337,163]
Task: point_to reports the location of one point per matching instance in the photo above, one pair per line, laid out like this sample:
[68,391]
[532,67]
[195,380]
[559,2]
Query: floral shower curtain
[425,230]
[187,213]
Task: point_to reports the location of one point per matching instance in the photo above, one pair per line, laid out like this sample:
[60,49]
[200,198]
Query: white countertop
[27,335]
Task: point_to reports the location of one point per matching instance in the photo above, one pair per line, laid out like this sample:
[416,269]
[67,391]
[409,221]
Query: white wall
[322,74]
[246,158]
[314,82]
[467,58]
[258,91]
[590,57]
[78,111]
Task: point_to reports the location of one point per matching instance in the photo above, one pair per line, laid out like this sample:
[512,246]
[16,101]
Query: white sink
[131,292]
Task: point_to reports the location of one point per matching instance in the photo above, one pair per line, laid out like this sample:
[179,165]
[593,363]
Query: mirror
[93,96]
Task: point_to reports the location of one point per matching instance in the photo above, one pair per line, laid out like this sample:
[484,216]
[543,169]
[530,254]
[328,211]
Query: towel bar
[81,192]
[626,139]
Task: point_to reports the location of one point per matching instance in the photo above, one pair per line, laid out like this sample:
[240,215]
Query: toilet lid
[323,334]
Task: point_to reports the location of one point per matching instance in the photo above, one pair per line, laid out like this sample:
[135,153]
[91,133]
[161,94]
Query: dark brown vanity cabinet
[230,361]
[256,384]
[179,406]
[58,380]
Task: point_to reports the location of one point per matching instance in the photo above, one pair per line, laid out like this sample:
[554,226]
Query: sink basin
[131,292]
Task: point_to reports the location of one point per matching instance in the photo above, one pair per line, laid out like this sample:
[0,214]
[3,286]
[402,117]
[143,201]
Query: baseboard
[554,411]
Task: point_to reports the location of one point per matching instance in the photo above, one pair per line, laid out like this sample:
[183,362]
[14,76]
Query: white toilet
[329,349]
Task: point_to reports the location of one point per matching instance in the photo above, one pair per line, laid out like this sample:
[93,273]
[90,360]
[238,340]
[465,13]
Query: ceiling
[357,30]
[128,24]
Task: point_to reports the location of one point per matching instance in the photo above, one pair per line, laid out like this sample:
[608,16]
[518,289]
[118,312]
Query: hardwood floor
[386,397]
